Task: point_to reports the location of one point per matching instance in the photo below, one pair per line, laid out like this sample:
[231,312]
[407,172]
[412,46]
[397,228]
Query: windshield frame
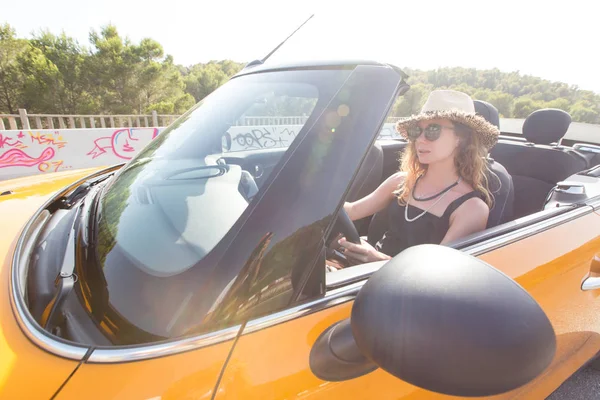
[227,272]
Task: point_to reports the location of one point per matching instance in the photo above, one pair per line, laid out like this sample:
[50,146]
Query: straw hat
[455,106]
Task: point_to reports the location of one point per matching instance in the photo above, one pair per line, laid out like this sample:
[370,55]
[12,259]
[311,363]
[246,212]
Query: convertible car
[198,270]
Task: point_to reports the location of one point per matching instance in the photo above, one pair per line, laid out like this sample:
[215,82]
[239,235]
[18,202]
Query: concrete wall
[30,152]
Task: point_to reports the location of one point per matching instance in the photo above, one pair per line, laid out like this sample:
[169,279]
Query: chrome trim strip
[144,352]
[27,324]
[25,242]
[343,277]
[591,283]
[331,299]
[511,237]
[595,204]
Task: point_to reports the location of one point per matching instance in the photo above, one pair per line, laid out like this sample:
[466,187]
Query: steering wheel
[344,224]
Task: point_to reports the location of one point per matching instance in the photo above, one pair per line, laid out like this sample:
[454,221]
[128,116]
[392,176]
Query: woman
[440,193]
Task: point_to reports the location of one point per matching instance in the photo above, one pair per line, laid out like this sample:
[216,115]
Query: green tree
[54,74]
[585,113]
[114,66]
[135,79]
[525,106]
[560,103]
[67,86]
[504,102]
[11,75]
[412,101]
[40,76]
[203,79]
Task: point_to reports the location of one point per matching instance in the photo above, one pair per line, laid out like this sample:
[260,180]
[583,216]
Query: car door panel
[274,362]
[552,266]
[189,375]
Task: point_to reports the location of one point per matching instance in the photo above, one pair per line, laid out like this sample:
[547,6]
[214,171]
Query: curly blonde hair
[470,163]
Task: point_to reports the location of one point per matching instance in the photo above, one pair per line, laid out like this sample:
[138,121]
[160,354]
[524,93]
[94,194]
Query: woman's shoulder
[396,178]
[469,201]
[472,207]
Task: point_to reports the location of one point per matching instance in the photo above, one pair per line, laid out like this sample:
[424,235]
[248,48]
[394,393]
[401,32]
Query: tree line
[55,74]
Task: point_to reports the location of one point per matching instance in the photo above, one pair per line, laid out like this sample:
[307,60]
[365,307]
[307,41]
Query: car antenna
[257,62]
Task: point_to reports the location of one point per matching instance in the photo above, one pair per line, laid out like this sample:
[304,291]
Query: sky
[550,39]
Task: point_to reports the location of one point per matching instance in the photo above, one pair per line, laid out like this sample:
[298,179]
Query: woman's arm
[375,201]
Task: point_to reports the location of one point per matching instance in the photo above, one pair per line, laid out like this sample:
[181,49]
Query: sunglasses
[432,132]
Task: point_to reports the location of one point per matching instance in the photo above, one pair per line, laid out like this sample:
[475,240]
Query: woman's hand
[363,252]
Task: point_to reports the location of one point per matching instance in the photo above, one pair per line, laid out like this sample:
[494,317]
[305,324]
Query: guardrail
[26,121]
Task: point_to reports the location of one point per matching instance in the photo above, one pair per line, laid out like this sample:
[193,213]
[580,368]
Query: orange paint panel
[41,185]
[274,363]
[26,371]
[552,266]
[190,375]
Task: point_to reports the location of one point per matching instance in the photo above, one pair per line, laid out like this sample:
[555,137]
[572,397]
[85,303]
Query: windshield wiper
[81,190]
[66,279]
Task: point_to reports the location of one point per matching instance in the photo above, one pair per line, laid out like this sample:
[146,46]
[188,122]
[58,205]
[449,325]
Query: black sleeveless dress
[429,228]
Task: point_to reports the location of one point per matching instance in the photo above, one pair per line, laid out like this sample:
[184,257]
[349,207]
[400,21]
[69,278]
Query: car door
[549,254]
[549,259]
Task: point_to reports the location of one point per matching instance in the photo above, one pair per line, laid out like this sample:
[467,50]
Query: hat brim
[488,133]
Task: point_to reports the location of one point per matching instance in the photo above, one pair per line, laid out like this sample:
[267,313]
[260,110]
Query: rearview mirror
[441,320]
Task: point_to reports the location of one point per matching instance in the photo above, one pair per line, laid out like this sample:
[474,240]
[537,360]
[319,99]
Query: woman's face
[430,150]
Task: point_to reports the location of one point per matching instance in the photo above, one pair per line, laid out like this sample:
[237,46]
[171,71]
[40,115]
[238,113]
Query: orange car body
[273,362]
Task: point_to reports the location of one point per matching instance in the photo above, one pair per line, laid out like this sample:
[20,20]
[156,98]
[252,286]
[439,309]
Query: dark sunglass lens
[414,132]
[432,132]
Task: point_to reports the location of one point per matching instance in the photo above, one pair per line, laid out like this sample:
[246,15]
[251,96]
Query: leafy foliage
[515,95]
[55,74]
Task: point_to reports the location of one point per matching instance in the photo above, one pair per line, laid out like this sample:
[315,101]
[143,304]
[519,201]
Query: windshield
[171,205]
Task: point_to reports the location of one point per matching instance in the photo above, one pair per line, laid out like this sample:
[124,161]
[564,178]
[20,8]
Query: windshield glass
[173,203]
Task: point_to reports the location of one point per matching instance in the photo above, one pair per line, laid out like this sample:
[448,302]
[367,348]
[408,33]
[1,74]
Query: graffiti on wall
[278,136]
[24,153]
[265,137]
[262,137]
[31,149]
[123,143]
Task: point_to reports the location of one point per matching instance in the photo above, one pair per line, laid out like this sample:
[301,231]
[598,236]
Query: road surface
[585,385]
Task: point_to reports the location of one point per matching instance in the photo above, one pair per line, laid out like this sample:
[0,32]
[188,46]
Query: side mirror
[441,320]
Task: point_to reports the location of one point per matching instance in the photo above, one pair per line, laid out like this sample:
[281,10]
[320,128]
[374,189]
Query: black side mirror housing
[444,321]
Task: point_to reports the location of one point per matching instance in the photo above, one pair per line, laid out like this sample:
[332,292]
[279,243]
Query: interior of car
[530,175]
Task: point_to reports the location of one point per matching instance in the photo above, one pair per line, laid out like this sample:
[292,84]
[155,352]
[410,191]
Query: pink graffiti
[18,158]
[47,139]
[6,141]
[123,143]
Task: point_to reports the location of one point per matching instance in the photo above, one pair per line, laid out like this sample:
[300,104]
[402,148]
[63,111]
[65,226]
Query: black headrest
[546,126]
[487,111]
